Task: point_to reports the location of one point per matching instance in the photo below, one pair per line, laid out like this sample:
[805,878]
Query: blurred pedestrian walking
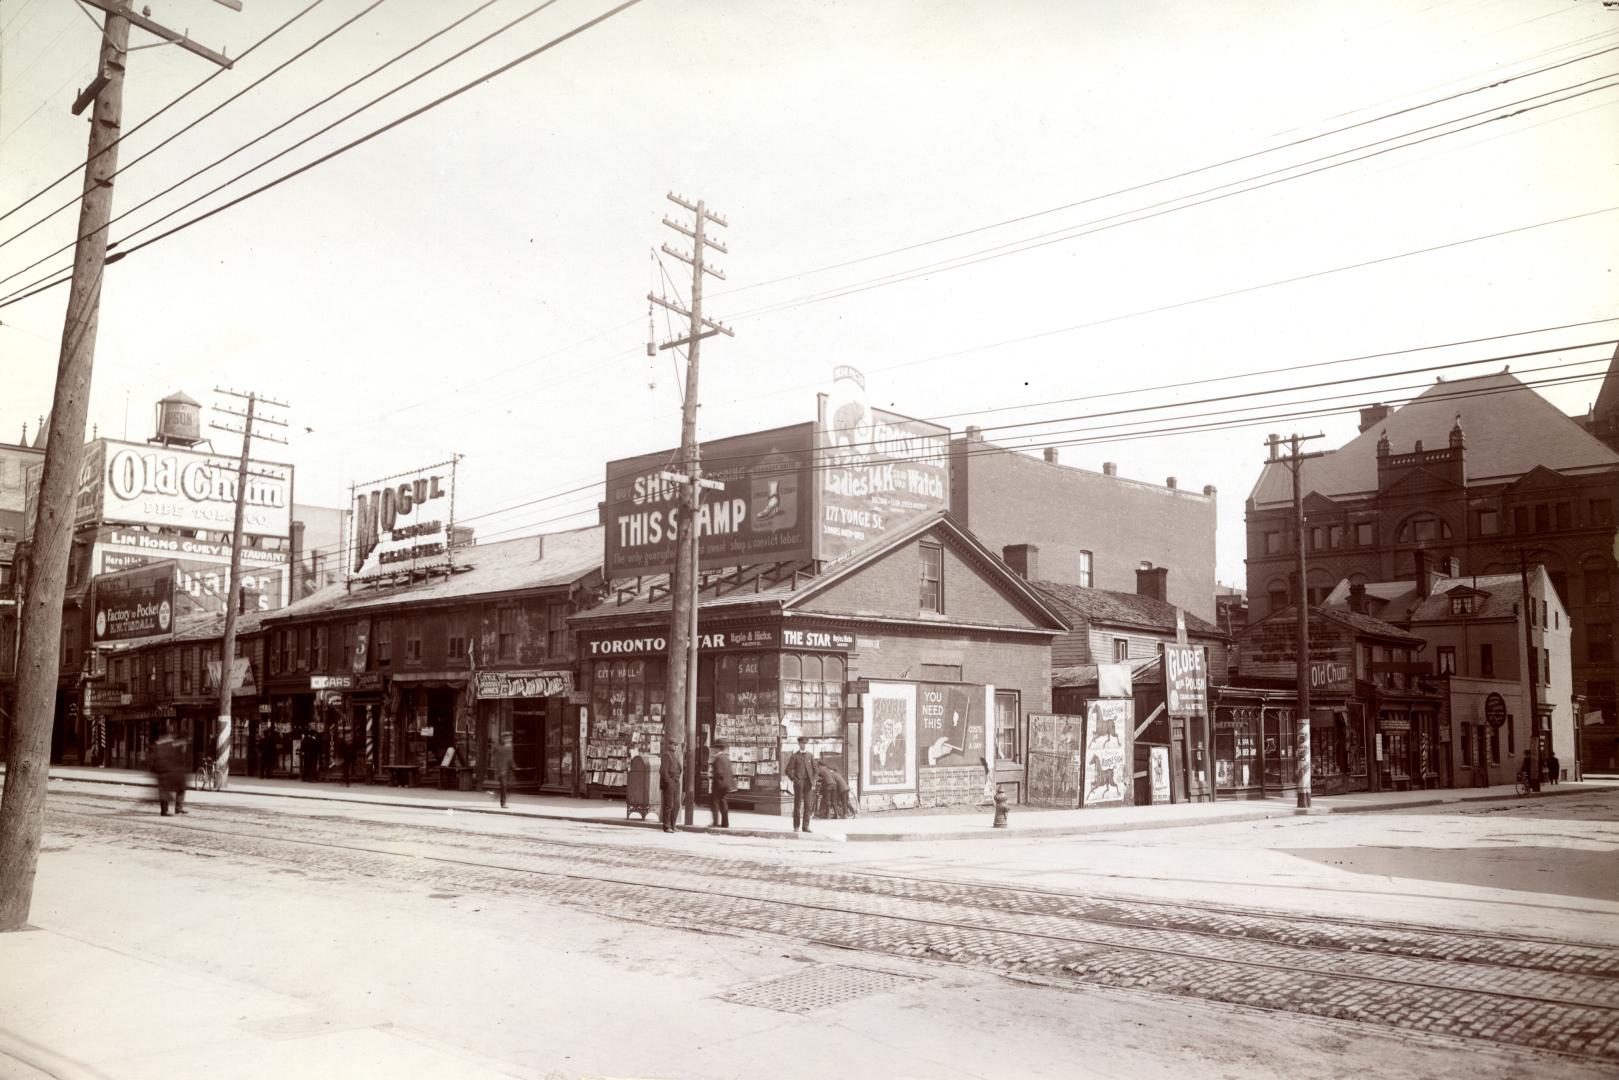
[345,750]
[503,765]
[167,760]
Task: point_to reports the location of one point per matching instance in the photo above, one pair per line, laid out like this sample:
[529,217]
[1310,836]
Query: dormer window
[1463,605]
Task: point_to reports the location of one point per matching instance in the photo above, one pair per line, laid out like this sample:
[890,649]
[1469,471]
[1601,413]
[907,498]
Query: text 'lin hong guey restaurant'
[838,600]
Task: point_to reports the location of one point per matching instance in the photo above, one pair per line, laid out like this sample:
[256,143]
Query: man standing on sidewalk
[801,771]
[669,772]
[720,785]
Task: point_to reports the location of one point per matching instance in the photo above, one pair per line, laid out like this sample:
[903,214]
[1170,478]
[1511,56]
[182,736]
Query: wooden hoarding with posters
[1109,732]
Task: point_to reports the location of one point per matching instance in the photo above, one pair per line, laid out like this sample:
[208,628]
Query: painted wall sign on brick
[888,762]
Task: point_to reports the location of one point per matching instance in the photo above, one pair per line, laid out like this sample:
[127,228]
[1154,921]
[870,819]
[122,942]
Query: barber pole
[370,739]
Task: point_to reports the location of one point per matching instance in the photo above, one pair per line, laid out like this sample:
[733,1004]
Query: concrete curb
[1102,824]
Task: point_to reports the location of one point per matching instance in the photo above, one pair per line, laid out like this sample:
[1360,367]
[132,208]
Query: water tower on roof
[179,421]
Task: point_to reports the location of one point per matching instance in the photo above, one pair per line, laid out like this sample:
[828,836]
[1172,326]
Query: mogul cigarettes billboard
[764,514]
[402,523]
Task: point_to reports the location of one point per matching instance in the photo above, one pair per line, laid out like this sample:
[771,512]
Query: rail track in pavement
[1504,990]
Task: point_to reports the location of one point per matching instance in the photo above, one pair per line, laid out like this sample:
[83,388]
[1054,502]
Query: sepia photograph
[1086,528]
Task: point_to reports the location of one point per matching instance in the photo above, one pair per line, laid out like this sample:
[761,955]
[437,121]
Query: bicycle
[206,778]
[1520,784]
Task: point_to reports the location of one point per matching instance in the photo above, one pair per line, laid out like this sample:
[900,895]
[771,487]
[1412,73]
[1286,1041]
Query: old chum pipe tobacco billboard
[808,491]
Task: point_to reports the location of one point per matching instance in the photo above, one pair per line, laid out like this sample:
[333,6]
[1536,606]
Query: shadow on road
[1551,870]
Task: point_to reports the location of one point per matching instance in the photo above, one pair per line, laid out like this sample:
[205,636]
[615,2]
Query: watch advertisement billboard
[875,470]
[402,524]
[763,513]
[134,605]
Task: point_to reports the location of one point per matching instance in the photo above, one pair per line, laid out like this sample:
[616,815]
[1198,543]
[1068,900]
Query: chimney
[1271,441]
[1023,558]
[1357,597]
[1210,490]
[1453,567]
[975,433]
[1169,483]
[1372,415]
[601,513]
[1109,469]
[1051,455]
[539,548]
[1419,558]
[296,559]
[1153,581]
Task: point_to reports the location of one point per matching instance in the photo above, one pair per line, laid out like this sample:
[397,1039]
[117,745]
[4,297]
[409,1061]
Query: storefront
[1408,748]
[536,708]
[914,707]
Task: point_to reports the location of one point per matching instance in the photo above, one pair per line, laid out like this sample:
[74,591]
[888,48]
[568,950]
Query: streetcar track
[841,912]
[975,894]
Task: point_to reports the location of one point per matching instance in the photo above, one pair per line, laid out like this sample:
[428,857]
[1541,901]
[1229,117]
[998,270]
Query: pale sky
[474,281]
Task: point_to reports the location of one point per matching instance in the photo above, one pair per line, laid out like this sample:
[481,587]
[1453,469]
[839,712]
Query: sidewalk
[893,826]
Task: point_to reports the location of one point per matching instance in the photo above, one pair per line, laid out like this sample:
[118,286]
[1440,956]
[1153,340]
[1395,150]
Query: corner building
[911,666]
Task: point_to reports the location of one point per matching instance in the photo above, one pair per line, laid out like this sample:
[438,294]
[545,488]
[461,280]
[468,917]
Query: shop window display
[627,702]
[748,714]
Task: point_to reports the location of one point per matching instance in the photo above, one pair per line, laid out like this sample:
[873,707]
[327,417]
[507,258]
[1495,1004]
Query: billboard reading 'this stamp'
[403,523]
[763,514]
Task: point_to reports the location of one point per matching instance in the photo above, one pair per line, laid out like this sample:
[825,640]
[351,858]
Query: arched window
[1420,528]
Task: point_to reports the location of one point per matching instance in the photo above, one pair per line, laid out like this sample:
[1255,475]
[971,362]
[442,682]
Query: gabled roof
[1364,625]
[196,626]
[505,566]
[1121,609]
[1086,674]
[1500,593]
[783,587]
[1508,428]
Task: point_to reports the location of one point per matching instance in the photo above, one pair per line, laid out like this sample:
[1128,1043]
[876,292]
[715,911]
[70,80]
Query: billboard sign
[1186,680]
[402,524]
[172,487]
[875,470]
[202,567]
[497,685]
[887,761]
[1331,676]
[134,605]
[763,514]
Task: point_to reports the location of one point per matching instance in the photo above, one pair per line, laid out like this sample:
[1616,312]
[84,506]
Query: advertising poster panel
[950,724]
[1158,769]
[1186,680]
[402,523]
[169,486]
[134,605]
[888,762]
[875,470]
[1109,728]
[763,514]
[1056,745]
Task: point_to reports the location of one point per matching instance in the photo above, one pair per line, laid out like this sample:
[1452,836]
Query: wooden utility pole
[680,711]
[1532,659]
[1301,716]
[22,806]
[233,585]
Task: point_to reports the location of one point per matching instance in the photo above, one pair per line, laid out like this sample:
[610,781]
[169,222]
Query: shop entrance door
[528,734]
[557,747]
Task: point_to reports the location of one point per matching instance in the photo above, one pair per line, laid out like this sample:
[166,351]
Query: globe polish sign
[134,605]
[402,523]
[138,483]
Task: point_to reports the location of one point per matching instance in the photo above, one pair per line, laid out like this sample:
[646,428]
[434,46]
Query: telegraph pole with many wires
[1294,460]
[39,657]
[233,586]
[680,712]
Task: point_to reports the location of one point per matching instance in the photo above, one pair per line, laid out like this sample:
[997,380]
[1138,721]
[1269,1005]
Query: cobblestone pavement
[1537,994]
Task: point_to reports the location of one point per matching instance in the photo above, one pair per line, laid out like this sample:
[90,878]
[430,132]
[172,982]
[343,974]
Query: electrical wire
[124,135]
[1162,179]
[1152,210]
[120,170]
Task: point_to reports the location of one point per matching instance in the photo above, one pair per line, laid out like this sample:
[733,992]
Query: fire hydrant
[1000,809]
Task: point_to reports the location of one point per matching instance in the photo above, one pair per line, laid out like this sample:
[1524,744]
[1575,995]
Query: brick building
[1484,471]
[949,649]
[1092,529]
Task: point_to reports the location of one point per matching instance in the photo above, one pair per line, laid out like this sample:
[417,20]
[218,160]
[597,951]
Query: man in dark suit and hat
[669,775]
[721,783]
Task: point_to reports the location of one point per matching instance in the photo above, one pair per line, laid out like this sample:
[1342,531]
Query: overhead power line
[272,73]
[124,135]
